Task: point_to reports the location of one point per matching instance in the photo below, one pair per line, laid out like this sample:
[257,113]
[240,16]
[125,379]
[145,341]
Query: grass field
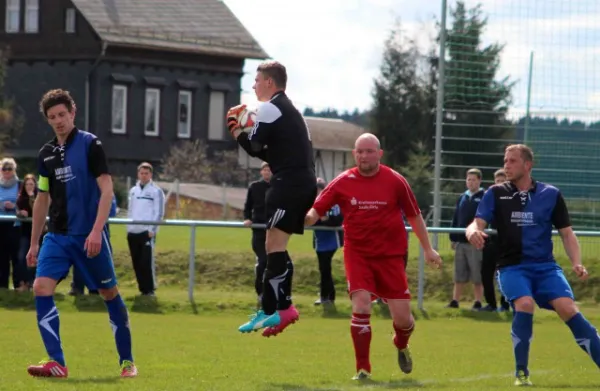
[180,346]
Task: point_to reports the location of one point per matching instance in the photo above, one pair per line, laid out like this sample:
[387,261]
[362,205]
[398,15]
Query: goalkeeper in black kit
[280,137]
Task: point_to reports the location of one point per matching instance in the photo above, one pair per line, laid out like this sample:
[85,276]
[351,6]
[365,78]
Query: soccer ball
[247,120]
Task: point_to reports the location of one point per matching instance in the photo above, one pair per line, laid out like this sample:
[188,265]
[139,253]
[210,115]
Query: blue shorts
[542,281]
[59,252]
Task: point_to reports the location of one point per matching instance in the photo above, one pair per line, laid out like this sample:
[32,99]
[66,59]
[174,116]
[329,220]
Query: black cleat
[405,360]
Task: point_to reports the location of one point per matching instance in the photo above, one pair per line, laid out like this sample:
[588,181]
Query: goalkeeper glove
[232,118]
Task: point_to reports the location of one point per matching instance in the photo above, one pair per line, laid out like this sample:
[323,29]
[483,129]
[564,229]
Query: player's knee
[565,308]
[361,302]
[44,286]
[525,304]
[109,294]
[277,240]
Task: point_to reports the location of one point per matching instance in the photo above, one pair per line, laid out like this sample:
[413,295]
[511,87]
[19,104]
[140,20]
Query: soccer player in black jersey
[280,137]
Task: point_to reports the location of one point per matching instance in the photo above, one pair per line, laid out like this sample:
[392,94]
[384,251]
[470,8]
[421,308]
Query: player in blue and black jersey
[524,212]
[74,175]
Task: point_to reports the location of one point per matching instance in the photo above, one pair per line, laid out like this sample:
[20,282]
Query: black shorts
[287,206]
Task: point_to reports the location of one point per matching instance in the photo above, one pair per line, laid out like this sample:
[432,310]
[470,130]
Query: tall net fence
[524,71]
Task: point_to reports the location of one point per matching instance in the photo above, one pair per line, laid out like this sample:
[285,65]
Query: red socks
[360,329]
[402,335]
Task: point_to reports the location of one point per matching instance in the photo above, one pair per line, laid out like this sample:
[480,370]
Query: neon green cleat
[522,380]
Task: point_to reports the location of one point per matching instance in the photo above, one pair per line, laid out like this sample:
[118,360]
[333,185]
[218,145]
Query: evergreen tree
[402,114]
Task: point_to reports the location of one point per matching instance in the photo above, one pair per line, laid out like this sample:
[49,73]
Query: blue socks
[586,336]
[49,325]
[522,332]
[119,322]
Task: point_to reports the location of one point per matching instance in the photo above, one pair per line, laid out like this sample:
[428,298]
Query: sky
[333,48]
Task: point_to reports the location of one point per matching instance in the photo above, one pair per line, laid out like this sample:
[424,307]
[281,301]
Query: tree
[475,102]
[402,114]
[418,172]
[11,122]
[189,161]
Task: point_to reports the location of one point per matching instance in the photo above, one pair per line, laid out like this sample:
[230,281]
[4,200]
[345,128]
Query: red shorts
[383,277]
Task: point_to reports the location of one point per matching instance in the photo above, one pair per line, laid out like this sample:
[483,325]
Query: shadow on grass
[367,384]
[91,380]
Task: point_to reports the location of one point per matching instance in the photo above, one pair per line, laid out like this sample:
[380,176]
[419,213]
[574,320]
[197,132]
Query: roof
[333,134]
[202,26]
[234,196]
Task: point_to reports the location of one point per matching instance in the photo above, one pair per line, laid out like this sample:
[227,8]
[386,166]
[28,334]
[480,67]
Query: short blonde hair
[145,166]
[9,161]
[526,152]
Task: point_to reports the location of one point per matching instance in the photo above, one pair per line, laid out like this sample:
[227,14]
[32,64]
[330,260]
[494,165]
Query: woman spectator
[25,210]
[9,232]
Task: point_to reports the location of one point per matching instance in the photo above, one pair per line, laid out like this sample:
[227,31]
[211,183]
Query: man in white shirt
[146,203]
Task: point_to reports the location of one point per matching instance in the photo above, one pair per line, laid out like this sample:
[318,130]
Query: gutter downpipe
[87,85]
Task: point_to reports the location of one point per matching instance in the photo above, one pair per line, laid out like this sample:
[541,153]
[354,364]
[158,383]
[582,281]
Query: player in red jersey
[372,198]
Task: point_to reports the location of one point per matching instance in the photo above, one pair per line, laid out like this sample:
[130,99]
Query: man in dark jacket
[326,243]
[488,268]
[254,213]
[467,259]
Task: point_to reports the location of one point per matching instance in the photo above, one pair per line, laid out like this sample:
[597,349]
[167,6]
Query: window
[216,116]
[119,109]
[152,113]
[70,20]
[32,12]
[184,113]
[13,16]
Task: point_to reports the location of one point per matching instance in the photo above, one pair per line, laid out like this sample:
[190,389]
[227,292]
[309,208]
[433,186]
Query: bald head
[367,140]
[367,153]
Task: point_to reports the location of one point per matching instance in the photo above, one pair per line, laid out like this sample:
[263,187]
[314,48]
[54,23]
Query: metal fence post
[421,279]
[192,270]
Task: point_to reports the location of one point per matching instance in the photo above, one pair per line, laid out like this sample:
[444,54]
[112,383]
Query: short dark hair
[475,171]
[274,70]
[54,98]
[499,172]
[146,166]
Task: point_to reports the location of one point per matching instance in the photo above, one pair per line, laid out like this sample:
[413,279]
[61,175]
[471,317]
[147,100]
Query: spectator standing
[9,230]
[326,244]
[489,264]
[25,201]
[467,258]
[146,203]
[255,213]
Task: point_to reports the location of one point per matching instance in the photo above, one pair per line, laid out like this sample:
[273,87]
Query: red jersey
[372,208]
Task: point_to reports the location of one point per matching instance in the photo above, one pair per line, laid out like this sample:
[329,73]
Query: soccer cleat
[405,360]
[288,317]
[48,368]
[522,380]
[260,320]
[128,369]
[361,375]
